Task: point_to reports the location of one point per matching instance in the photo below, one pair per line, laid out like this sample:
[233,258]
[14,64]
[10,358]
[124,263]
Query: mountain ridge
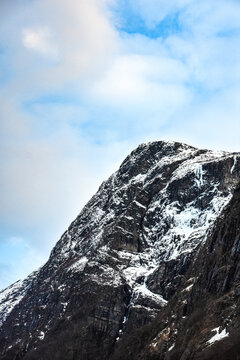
[124,256]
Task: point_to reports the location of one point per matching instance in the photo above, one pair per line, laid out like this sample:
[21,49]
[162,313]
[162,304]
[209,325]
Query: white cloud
[142,82]
[78,96]
[39,40]
[42,179]
[206,18]
[49,171]
[76,41]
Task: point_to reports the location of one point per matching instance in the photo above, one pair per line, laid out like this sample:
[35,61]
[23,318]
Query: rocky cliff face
[202,319]
[124,259]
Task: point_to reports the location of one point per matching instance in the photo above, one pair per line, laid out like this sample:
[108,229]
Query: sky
[83,82]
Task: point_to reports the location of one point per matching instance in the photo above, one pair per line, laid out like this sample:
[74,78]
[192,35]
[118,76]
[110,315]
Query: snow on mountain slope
[125,254]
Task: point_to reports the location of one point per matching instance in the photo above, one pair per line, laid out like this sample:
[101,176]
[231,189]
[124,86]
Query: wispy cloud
[81,78]
[39,40]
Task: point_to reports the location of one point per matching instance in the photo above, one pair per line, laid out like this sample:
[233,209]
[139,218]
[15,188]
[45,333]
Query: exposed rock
[202,320]
[124,257]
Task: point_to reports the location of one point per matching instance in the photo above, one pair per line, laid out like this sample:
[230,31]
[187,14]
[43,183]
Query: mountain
[148,270]
[202,319]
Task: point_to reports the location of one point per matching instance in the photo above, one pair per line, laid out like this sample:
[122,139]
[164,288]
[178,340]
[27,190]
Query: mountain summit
[131,260]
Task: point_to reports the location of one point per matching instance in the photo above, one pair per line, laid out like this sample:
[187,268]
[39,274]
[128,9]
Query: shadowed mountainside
[139,263]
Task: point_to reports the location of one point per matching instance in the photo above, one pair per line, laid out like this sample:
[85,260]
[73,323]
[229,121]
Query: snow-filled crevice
[218,336]
[199,176]
[234,163]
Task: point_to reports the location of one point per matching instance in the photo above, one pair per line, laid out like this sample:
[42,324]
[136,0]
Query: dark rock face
[125,256]
[202,319]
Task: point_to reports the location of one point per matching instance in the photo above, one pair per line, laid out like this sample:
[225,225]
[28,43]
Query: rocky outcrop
[123,259]
[202,320]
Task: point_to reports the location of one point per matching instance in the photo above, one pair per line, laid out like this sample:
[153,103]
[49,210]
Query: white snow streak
[219,335]
[234,163]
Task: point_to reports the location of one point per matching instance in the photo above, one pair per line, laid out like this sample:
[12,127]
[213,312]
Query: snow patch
[41,336]
[12,295]
[188,288]
[171,347]
[199,176]
[234,163]
[79,265]
[139,204]
[219,335]
[145,292]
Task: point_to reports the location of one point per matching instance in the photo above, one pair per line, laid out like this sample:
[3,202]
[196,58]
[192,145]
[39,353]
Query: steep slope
[123,257]
[202,320]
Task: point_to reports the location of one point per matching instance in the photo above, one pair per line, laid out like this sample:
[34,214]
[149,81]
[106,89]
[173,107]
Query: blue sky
[84,82]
